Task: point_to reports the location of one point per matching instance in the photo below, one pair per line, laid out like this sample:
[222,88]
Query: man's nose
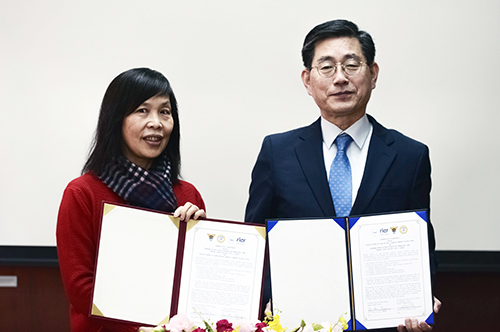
[339,77]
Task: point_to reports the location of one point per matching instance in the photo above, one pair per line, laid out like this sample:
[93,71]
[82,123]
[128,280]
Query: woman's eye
[165,112]
[141,110]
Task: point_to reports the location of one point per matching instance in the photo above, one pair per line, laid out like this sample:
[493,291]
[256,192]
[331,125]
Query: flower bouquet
[271,323]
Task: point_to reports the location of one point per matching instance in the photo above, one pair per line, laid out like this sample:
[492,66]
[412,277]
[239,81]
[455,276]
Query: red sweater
[77,234]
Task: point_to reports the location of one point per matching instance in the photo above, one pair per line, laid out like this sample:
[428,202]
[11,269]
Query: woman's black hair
[124,94]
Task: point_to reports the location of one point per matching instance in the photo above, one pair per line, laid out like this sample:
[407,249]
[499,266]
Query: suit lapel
[310,155]
[379,159]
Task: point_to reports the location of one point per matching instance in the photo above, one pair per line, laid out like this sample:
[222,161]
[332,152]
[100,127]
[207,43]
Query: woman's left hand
[189,211]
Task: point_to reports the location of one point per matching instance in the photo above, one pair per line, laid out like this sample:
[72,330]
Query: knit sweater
[77,236]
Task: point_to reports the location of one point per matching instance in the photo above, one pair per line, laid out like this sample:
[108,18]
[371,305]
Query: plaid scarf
[151,189]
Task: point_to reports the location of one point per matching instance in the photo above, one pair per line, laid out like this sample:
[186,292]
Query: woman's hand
[412,324]
[189,211]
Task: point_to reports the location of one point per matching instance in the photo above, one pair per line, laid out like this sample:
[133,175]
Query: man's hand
[412,324]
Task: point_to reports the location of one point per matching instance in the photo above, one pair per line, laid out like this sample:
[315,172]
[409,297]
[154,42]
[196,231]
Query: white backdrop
[235,68]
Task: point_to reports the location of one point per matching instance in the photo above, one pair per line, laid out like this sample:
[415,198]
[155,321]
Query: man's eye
[326,67]
[351,63]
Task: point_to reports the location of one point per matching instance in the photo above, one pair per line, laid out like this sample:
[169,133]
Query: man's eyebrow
[347,56]
[326,58]
[353,56]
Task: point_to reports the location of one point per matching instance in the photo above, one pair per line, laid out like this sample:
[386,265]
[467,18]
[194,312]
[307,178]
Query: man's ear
[306,80]
[374,69]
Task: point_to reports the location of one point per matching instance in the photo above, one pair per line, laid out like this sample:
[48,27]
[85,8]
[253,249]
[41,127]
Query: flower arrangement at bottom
[271,323]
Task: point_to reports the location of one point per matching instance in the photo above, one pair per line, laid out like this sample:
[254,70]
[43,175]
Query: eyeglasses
[350,67]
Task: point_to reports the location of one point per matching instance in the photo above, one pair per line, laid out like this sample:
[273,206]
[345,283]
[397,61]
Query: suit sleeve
[260,202]
[420,197]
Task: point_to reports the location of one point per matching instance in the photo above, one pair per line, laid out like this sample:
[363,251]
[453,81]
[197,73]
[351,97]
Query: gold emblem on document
[403,229]
[211,236]
[393,229]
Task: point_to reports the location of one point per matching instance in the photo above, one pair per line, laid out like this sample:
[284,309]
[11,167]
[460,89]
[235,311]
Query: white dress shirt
[361,133]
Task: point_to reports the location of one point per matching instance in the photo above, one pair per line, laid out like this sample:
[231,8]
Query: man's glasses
[350,67]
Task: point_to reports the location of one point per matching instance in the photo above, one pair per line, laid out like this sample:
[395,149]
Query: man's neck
[343,122]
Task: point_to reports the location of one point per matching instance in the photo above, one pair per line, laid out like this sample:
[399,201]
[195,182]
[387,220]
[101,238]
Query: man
[385,171]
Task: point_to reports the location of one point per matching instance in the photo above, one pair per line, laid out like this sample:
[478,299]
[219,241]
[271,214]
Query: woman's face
[146,131]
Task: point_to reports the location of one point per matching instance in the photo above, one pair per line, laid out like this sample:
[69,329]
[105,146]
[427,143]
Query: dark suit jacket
[289,179]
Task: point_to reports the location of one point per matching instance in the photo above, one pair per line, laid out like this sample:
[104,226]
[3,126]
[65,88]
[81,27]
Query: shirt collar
[358,131]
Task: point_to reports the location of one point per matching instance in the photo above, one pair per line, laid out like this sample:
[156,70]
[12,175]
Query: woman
[135,160]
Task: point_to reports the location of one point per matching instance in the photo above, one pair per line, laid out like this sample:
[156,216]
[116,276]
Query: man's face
[341,98]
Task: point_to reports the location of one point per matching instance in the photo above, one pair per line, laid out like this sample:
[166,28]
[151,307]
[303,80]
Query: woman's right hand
[189,211]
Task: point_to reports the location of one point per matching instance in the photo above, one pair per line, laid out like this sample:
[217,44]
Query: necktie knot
[342,141]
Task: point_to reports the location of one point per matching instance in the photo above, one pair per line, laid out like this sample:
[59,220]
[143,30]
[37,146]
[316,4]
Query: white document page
[135,266]
[309,274]
[391,270]
[222,271]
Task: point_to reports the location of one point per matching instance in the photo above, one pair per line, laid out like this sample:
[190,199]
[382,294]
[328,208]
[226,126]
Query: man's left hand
[412,324]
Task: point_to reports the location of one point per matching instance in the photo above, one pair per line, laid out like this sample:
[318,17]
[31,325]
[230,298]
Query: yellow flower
[343,322]
[275,324]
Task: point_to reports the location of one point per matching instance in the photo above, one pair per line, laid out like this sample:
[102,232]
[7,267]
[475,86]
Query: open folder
[150,266]
[372,270]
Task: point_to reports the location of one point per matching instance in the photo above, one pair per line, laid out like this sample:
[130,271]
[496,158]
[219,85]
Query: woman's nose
[154,121]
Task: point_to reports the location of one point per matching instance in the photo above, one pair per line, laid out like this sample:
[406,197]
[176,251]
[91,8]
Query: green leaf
[209,328]
[317,327]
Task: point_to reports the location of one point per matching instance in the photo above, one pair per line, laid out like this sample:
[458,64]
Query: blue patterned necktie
[340,179]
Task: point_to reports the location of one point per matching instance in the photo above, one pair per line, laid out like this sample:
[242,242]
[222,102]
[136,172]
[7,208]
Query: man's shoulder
[301,132]
[394,137]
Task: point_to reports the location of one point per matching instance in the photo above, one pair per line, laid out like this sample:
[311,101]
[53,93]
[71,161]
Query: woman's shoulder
[84,180]
[90,186]
[187,192]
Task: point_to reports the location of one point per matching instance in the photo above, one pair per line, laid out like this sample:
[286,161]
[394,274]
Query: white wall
[235,68]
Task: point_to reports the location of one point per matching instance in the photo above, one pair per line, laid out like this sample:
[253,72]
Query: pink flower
[260,326]
[199,329]
[223,325]
[179,323]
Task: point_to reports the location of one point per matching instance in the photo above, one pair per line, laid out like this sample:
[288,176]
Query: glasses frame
[336,64]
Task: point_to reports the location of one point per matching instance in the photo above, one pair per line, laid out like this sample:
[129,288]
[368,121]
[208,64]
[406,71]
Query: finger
[184,213]
[199,214]
[425,327]
[437,305]
[401,328]
[180,212]
[411,325]
[191,211]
